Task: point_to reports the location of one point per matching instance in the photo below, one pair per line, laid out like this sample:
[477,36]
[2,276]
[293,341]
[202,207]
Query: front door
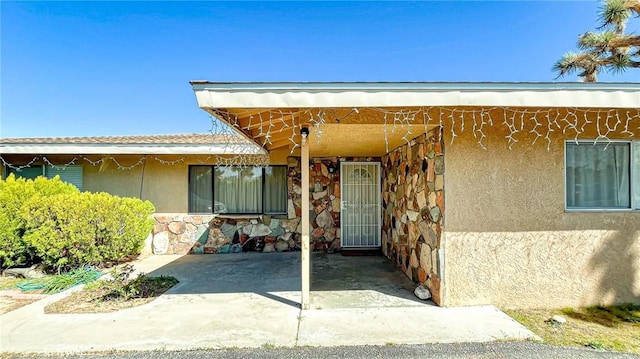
[360,212]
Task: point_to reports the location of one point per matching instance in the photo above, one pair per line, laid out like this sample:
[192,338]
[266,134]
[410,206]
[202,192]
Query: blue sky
[119,68]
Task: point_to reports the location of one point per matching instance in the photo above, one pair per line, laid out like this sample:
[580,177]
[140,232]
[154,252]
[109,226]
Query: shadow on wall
[617,264]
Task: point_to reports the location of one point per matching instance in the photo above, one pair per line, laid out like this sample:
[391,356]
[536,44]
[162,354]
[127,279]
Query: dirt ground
[14,299]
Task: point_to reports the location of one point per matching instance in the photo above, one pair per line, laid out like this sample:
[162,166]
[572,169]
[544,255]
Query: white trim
[632,174]
[90,149]
[314,95]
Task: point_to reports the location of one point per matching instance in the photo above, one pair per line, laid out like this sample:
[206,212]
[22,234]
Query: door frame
[378,199]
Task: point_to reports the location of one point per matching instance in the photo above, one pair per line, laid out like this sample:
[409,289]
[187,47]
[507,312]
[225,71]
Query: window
[231,189]
[602,175]
[70,173]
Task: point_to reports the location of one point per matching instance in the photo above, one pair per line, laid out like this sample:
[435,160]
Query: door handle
[343,204]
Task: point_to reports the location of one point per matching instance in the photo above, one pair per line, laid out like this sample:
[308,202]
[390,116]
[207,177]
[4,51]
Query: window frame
[213,198]
[44,169]
[633,173]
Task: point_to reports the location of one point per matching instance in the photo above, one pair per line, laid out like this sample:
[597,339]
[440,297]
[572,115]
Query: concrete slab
[252,300]
[359,282]
[407,325]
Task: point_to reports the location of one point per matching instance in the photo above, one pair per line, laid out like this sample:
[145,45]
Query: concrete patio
[253,300]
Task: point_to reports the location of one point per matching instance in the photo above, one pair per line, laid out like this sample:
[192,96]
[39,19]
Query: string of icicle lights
[522,124]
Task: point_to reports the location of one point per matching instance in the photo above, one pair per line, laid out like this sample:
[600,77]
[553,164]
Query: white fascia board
[90,149]
[304,95]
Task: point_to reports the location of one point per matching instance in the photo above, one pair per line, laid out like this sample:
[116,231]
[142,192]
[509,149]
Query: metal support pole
[305,257]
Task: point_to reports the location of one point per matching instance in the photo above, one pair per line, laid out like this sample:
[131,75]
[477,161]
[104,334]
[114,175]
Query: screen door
[360,204]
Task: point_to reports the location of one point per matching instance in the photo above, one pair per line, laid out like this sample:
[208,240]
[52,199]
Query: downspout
[144,165]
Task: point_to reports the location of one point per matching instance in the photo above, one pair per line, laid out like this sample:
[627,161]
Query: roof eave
[88,149]
[414,94]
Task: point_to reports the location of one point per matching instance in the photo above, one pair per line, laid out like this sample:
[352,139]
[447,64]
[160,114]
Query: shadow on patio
[336,281]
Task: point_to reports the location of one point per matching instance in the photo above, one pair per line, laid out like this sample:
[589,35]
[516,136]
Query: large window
[70,173]
[603,175]
[230,189]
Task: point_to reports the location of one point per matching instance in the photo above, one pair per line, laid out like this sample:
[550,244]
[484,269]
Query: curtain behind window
[598,175]
[238,190]
[275,189]
[200,189]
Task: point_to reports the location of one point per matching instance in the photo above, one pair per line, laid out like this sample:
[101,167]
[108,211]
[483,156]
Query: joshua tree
[610,49]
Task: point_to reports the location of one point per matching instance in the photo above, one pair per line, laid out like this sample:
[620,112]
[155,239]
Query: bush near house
[66,229]
[14,193]
[71,230]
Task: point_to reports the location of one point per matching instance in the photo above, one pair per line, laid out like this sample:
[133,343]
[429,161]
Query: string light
[539,124]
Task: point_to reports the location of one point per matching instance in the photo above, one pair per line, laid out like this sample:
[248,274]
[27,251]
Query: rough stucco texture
[509,240]
[164,185]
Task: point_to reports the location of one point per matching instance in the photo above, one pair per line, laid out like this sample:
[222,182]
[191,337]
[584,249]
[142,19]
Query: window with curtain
[200,187]
[275,189]
[598,176]
[241,190]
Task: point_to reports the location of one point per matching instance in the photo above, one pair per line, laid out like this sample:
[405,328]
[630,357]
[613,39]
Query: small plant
[120,290]
[595,345]
[121,287]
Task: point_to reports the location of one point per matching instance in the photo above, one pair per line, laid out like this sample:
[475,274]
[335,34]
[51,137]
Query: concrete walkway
[252,300]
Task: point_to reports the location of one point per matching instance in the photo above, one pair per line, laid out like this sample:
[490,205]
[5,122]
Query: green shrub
[71,230]
[14,193]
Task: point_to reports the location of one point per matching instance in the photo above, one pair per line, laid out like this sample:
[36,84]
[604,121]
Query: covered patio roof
[362,119]
[348,116]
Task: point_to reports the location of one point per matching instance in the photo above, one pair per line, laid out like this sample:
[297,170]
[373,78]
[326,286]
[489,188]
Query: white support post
[305,256]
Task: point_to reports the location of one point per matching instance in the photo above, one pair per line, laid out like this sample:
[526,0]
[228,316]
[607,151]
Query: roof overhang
[411,94]
[270,114]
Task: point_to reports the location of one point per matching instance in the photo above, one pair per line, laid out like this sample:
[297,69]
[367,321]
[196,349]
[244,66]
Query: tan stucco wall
[165,185]
[509,240]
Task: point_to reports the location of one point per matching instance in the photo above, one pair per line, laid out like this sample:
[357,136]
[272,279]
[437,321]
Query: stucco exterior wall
[509,240]
[158,179]
[166,186]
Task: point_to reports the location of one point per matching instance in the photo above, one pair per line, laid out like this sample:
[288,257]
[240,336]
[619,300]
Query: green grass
[603,328]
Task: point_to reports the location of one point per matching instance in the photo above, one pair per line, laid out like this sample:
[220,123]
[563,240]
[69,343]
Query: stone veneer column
[413,201]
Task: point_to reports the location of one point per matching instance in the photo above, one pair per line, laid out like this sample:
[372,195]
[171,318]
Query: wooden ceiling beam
[280,143]
[273,136]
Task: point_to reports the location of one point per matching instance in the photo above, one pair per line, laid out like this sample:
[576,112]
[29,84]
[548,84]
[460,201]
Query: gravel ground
[462,350]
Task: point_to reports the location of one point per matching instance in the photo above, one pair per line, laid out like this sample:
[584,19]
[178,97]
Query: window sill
[238,216]
[601,210]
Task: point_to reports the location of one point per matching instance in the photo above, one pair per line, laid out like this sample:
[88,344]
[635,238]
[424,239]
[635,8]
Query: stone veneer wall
[196,234]
[192,233]
[324,188]
[413,201]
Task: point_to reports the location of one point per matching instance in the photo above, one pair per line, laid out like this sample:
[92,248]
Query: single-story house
[514,194]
